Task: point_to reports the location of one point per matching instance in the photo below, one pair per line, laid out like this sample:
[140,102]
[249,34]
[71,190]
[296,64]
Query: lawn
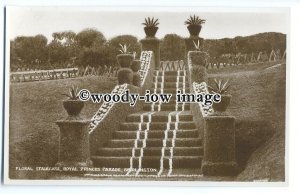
[258,103]
[34,108]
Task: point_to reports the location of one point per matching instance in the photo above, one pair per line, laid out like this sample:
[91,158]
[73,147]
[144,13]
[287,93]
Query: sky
[113,21]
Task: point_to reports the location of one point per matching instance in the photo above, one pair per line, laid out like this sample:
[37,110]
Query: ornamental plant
[197,46]
[150,22]
[73,93]
[124,49]
[220,87]
[194,20]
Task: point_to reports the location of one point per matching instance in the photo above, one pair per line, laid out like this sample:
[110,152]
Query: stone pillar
[152,44]
[74,146]
[198,60]
[219,146]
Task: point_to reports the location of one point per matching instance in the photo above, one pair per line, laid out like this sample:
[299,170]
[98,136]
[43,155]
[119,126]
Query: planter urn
[222,106]
[73,107]
[125,60]
[150,31]
[194,30]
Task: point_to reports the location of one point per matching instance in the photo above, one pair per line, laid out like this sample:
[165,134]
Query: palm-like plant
[194,20]
[134,55]
[124,49]
[150,22]
[73,93]
[221,88]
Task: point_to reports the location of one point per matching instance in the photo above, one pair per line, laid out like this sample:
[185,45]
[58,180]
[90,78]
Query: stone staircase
[163,136]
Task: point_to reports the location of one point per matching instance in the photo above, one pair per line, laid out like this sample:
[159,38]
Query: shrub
[125,75]
[198,58]
[199,74]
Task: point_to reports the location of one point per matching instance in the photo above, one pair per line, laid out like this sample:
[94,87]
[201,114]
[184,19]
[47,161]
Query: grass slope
[34,108]
[258,103]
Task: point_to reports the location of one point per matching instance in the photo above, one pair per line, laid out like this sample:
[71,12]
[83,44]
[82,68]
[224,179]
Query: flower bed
[104,108]
[202,88]
[145,65]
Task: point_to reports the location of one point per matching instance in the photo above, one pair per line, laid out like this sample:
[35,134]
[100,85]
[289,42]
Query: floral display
[104,108]
[145,64]
[202,88]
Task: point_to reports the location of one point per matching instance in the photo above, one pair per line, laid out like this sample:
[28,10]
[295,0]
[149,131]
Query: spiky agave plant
[134,55]
[73,93]
[124,49]
[150,22]
[194,20]
[221,87]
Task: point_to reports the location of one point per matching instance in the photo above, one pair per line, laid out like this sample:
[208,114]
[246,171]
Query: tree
[172,47]
[90,38]
[30,49]
[63,48]
[58,54]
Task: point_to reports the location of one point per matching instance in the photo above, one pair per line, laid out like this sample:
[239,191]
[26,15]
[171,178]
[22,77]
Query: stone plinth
[219,146]
[74,148]
[152,44]
[189,43]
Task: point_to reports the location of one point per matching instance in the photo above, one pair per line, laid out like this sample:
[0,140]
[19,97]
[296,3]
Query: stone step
[180,142]
[170,79]
[171,85]
[133,126]
[156,134]
[151,151]
[147,162]
[161,116]
[167,107]
[172,73]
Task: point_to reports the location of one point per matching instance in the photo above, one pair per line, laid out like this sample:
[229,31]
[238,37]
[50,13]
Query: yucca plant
[150,22]
[134,55]
[73,93]
[221,87]
[194,20]
[197,45]
[124,49]
[151,26]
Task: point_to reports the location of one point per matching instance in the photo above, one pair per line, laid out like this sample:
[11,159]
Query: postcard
[158,95]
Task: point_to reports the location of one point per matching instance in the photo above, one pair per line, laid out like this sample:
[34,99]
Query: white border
[295,72]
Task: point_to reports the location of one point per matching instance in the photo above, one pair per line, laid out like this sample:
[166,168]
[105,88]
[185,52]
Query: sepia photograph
[151,94]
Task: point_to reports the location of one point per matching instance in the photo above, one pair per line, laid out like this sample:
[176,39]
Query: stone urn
[223,104]
[194,29]
[125,60]
[73,107]
[150,31]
